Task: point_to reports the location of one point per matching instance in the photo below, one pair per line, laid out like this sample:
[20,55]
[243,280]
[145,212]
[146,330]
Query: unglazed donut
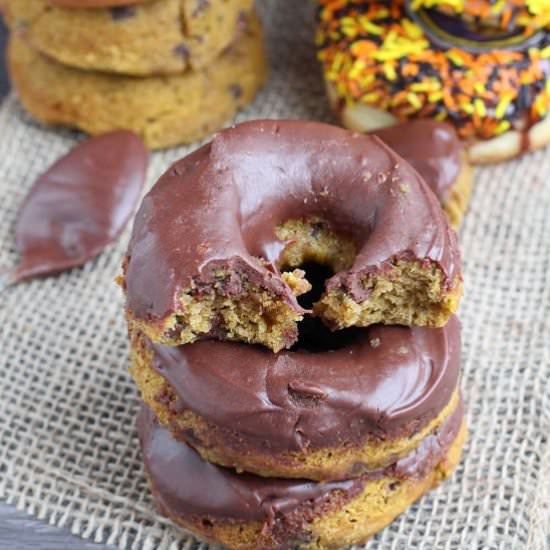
[157,38]
[164,110]
[246,512]
[385,62]
[324,415]
[214,252]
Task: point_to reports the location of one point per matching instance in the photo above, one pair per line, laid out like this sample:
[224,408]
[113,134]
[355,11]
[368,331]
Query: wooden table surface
[18,531]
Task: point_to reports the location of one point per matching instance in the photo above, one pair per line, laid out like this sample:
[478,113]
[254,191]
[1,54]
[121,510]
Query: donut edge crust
[211,443]
[348,522]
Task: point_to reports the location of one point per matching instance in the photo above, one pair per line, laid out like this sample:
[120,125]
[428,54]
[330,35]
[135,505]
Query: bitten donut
[159,37]
[385,62]
[245,512]
[165,111]
[434,150]
[214,253]
[324,415]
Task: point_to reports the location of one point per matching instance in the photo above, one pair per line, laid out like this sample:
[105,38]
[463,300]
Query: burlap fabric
[68,448]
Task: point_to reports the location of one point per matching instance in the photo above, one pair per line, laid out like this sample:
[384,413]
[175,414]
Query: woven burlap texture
[68,447]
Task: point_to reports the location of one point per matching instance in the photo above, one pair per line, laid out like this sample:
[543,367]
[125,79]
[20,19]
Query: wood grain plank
[19,531]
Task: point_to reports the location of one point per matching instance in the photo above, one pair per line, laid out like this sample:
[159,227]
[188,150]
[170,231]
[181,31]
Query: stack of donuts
[172,71]
[291,290]
[480,65]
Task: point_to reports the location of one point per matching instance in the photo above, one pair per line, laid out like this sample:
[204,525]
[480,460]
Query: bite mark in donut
[205,259]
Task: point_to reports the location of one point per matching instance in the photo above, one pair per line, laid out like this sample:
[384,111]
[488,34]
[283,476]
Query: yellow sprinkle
[502,127]
[371,97]
[389,71]
[370,27]
[545,52]
[468,108]
[479,87]
[479,107]
[502,106]
[412,30]
[422,86]
[367,80]
[455,58]
[382,13]
[356,69]
[497,7]
[348,21]
[350,32]
[338,61]
[434,97]
[395,47]
[442,115]
[413,100]
[541,105]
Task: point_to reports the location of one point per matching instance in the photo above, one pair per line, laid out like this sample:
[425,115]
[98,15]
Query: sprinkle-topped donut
[382,57]
[218,243]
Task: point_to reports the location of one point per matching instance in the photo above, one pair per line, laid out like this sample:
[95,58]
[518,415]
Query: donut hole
[314,253]
[314,241]
[315,275]
[315,337]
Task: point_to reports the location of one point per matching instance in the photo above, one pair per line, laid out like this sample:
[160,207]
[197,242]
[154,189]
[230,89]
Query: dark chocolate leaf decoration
[80,205]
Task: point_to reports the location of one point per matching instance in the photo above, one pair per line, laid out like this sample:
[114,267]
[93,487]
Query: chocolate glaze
[432,148]
[187,486]
[81,204]
[452,31]
[220,206]
[388,383]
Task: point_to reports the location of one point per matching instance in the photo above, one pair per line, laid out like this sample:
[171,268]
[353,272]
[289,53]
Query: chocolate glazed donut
[210,240]
[324,415]
[246,512]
